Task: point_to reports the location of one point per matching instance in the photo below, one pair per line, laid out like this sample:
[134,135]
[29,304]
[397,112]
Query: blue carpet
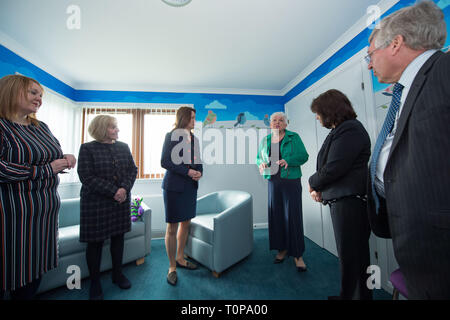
[254,278]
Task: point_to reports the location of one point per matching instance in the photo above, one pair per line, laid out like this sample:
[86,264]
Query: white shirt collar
[413,68]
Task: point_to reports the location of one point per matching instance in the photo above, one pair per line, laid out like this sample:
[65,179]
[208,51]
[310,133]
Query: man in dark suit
[409,185]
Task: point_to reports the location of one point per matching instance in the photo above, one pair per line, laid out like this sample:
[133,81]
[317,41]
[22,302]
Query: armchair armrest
[233,234]
[207,204]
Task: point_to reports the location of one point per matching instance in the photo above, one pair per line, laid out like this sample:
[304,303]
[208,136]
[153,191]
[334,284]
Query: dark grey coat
[416,213]
[103,169]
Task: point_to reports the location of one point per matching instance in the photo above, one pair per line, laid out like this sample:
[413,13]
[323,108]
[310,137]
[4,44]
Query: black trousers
[285,216]
[352,232]
[94,257]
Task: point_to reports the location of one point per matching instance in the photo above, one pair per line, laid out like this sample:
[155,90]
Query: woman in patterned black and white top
[30,160]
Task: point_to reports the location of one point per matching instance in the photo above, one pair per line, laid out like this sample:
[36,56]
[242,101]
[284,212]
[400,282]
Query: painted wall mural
[243,118]
[215,110]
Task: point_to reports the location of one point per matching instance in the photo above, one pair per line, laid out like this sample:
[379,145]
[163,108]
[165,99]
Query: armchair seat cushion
[71,241]
[202,227]
[71,236]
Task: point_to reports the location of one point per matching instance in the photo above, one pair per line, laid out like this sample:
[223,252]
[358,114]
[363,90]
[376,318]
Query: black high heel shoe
[301,268]
[276,261]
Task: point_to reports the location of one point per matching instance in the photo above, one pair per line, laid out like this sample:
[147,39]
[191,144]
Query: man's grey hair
[279,114]
[421,25]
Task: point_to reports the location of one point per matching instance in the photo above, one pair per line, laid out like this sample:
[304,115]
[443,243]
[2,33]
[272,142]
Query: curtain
[63,116]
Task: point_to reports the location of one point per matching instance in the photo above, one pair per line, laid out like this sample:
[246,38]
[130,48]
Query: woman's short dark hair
[183,117]
[333,107]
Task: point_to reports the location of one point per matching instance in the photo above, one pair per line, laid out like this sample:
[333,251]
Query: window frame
[138,128]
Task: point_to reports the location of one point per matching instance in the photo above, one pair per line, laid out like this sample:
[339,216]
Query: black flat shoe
[172,278]
[189,265]
[122,282]
[276,261]
[302,269]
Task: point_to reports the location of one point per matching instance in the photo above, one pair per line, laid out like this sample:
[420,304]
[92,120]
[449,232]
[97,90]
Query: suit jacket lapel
[410,101]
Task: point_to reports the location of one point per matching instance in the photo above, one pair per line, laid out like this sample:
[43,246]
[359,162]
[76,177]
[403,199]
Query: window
[143,128]
[60,113]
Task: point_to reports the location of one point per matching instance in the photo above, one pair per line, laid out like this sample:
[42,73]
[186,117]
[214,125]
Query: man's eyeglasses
[368,57]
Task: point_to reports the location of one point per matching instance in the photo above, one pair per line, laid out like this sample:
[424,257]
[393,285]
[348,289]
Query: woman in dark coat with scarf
[107,172]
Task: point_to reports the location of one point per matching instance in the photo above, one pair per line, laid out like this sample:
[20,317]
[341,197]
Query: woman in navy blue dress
[181,158]
[30,160]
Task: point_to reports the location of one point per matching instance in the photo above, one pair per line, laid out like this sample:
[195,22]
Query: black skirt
[285,216]
[180,206]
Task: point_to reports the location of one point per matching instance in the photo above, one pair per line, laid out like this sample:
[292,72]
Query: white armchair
[221,234]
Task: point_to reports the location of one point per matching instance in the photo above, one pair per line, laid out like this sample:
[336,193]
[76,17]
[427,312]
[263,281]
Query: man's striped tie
[385,130]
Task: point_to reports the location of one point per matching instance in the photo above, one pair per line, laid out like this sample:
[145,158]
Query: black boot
[93,258]
[117,255]
[95,291]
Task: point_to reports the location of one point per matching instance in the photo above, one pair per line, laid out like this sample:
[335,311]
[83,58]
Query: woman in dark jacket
[107,172]
[181,158]
[340,182]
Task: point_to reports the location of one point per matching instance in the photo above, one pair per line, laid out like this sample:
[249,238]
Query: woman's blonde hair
[11,87]
[99,126]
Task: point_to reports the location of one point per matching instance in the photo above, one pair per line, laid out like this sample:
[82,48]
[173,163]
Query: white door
[348,80]
[302,121]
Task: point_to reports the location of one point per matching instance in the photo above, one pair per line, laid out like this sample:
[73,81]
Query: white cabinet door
[348,79]
[302,121]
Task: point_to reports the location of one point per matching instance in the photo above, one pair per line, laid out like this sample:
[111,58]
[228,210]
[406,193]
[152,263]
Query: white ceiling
[148,45]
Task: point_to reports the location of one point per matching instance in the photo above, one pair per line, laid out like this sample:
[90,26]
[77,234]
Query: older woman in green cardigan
[279,158]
